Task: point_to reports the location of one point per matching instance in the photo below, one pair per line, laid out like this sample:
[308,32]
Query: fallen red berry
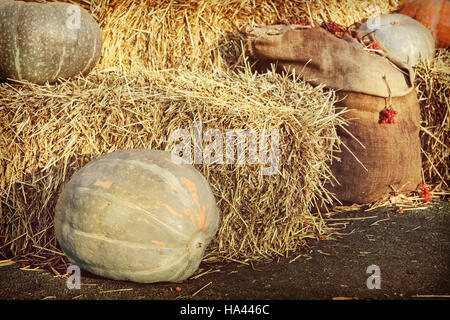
[178,289]
[425,192]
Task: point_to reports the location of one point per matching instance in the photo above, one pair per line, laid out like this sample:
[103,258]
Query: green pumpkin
[401,36]
[42,42]
[137,215]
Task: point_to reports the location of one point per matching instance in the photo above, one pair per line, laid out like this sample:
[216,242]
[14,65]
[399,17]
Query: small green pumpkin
[401,36]
[42,42]
[137,215]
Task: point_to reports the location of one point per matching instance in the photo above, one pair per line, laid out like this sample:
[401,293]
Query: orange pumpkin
[137,215]
[433,14]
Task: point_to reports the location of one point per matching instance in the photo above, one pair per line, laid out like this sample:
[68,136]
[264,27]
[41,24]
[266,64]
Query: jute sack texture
[374,159]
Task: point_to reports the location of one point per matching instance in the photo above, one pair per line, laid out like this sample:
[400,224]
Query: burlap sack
[388,154]
[319,57]
[380,157]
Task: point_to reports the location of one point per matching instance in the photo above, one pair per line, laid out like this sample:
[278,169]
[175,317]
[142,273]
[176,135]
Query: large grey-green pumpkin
[137,215]
[42,42]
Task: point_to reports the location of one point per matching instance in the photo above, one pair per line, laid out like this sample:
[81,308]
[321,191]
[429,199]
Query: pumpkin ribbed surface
[136,215]
[401,36]
[42,42]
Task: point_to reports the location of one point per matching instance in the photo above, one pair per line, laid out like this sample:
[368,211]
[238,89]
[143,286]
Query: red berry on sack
[178,289]
[391,114]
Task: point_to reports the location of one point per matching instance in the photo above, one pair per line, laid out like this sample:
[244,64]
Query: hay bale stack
[433,88]
[154,35]
[51,131]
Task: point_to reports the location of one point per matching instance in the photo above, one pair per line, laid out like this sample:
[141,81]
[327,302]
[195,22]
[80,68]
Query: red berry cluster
[374,46]
[339,31]
[425,192]
[292,21]
[301,22]
[368,43]
[387,116]
[334,28]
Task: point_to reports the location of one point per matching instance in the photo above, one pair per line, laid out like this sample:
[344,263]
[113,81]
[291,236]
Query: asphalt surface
[409,253]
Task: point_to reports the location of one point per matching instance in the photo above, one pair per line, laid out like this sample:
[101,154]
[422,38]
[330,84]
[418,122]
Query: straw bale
[50,131]
[154,35]
[433,88]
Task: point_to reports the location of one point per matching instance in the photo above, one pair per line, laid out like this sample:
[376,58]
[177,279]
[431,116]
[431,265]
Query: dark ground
[412,250]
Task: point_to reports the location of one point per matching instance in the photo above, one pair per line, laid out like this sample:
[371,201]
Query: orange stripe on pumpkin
[173,162]
[201,217]
[103,184]
[192,188]
[209,221]
[160,243]
[172,211]
[189,213]
[197,215]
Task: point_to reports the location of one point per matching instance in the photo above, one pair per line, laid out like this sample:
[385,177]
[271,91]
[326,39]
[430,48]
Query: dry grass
[433,87]
[156,35]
